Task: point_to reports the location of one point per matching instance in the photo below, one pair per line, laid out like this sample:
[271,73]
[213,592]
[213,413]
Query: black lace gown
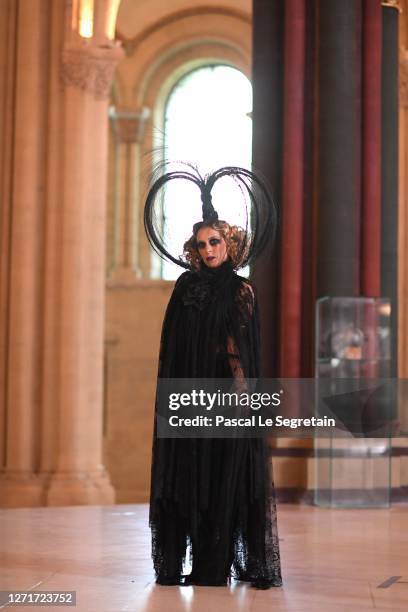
[214,495]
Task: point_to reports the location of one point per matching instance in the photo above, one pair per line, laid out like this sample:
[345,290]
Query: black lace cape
[216,495]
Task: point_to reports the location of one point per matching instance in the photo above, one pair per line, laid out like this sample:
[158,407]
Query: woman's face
[211,247]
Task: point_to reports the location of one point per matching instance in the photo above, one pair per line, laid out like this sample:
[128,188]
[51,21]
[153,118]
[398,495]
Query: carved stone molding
[128,126]
[130,45]
[90,69]
[403,78]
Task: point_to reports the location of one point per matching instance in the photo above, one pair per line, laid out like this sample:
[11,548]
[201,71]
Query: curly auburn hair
[233,235]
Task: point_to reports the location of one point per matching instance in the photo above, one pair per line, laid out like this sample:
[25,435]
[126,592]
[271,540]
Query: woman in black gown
[214,497]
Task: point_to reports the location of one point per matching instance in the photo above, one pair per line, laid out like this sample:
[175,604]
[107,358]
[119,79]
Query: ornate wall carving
[91,69]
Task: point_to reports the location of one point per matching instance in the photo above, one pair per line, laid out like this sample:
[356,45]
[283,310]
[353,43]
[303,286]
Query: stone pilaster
[128,128]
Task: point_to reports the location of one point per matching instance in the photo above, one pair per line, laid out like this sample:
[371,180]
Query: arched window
[208,123]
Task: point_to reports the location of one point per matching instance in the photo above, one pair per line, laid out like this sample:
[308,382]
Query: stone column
[79,477]
[19,484]
[293,188]
[128,130]
[339,161]
[267,146]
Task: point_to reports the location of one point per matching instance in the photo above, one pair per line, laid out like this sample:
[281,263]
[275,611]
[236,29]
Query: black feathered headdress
[252,200]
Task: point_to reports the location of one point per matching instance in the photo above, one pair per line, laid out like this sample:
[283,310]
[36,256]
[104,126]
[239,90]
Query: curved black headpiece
[250,201]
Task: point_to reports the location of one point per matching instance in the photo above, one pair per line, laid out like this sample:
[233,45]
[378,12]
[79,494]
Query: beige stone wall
[135,315]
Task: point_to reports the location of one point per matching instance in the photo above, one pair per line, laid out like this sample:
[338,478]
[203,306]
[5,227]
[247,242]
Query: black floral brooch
[198,294]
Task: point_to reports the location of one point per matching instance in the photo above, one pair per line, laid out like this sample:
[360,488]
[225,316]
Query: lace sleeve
[234,359]
[246,306]
[174,296]
[246,300]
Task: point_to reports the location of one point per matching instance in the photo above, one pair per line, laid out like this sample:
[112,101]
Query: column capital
[90,68]
[128,124]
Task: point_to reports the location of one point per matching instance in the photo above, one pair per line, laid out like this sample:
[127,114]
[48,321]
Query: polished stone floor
[332,561]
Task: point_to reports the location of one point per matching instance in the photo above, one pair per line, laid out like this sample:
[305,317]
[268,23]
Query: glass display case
[353,462]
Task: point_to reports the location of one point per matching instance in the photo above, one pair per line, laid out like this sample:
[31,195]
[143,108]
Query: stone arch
[156,58]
